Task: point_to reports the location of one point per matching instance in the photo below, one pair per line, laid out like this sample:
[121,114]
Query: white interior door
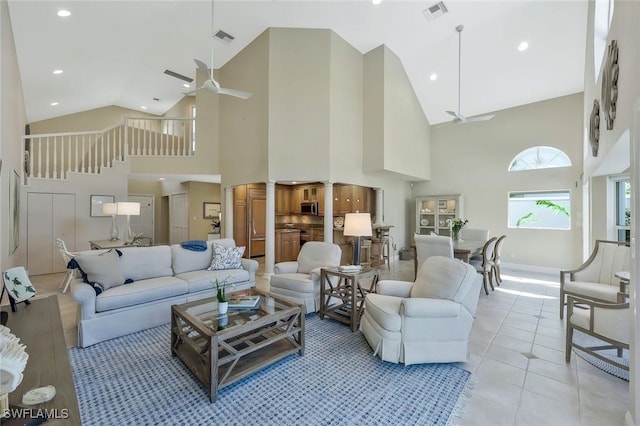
[145,223]
[179,218]
[49,216]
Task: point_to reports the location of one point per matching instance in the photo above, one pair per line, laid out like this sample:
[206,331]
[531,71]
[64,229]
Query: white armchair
[595,278]
[299,281]
[425,321]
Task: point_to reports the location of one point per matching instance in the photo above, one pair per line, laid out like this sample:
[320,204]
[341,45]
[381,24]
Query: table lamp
[128,209]
[357,225]
[112,209]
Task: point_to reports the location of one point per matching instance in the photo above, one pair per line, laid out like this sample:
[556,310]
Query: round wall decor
[610,84]
[594,128]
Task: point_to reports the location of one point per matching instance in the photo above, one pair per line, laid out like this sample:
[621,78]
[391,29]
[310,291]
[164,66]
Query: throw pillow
[102,271]
[225,257]
[18,285]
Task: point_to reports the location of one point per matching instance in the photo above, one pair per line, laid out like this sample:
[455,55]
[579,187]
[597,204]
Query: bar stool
[365,252]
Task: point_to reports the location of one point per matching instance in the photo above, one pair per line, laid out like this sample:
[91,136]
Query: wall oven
[309,207]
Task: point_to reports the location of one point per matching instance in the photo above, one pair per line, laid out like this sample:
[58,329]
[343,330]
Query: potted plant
[221,295]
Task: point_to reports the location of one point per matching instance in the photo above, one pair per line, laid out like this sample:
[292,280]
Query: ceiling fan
[457,116]
[211,84]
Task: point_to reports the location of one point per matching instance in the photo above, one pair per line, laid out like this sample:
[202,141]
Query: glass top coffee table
[222,349]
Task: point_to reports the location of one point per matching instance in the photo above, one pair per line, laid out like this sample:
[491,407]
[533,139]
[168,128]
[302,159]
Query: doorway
[179,218]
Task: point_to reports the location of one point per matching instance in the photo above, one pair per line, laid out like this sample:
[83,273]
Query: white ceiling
[115,52]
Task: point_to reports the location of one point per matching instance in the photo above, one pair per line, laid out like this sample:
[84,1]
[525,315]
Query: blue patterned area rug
[586,340]
[135,380]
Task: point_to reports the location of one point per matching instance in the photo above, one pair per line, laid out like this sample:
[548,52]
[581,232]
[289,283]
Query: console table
[39,328]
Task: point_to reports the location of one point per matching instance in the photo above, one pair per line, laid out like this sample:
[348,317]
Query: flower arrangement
[456,225]
[221,289]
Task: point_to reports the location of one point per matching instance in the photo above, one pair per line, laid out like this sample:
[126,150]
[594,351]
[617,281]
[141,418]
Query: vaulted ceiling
[115,52]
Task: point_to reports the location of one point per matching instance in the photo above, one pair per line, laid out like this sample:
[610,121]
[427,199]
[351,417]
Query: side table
[348,290]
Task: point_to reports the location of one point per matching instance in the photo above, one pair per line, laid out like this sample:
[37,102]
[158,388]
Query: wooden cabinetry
[316,234]
[359,199]
[351,198]
[283,200]
[320,199]
[296,200]
[287,245]
[433,213]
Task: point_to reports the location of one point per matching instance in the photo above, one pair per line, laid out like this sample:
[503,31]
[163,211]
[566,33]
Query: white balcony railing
[54,155]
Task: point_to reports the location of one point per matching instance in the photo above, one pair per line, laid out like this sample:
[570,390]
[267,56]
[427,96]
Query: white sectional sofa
[162,276]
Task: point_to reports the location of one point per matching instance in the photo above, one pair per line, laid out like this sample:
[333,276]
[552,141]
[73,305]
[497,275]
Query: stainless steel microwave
[309,207]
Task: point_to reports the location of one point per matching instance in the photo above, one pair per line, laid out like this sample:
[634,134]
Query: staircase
[53,156]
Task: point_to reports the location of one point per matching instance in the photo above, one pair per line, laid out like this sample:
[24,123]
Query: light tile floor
[517,356]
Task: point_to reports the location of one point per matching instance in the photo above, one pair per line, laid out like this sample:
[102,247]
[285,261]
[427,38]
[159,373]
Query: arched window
[539,157]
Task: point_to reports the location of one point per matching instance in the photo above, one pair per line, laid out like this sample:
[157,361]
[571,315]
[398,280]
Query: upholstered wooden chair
[474,234]
[485,265]
[431,245]
[609,322]
[595,279]
[496,259]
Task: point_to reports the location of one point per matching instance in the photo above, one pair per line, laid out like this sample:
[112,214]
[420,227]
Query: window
[601,23]
[623,209]
[539,157]
[540,210]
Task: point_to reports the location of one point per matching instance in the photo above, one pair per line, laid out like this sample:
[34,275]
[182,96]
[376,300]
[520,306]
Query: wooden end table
[349,289]
[625,278]
[222,349]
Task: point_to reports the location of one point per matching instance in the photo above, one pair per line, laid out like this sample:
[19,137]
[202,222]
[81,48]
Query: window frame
[528,152]
[539,228]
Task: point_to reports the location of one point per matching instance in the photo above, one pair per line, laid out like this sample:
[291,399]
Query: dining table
[462,249]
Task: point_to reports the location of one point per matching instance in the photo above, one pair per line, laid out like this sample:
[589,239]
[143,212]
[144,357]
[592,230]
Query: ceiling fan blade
[480,118]
[452,113]
[236,93]
[203,67]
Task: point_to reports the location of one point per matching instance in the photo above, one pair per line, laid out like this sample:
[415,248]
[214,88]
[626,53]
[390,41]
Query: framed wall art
[96,204]
[210,210]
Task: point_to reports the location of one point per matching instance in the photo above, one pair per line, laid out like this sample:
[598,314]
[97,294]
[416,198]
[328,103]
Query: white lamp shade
[357,224]
[129,209]
[110,208]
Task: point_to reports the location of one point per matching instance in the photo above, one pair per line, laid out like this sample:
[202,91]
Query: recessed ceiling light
[186,85]
[143,107]
[55,103]
[64,13]
[57,72]
[162,178]
[523,46]
[433,77]
[376,2]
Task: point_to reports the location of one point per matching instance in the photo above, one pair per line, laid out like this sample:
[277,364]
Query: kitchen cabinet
[296,200]
[240,217]
[316,234]
[359,199]
[341,199]
[249,218]
[283,200]
[320,199]
[433,213]
[287,245]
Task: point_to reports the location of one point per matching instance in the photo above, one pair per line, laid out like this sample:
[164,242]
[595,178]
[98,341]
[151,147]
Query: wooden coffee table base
[237,351]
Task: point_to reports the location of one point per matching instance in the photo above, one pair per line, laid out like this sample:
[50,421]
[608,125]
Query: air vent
[435,11]
[180,76]
[221,35]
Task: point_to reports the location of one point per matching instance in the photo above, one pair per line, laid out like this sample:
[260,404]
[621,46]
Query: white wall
[12,123]
[472,160]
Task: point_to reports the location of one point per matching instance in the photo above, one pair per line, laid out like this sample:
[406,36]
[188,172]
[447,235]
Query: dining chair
[485,266]
[496,259]
[474,234]
[432,245]
[66,256]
